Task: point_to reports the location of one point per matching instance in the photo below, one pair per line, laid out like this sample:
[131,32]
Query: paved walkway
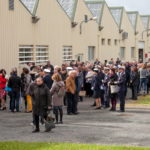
[90,126]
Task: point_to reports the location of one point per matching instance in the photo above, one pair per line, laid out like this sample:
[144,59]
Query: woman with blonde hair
[58,91]
[143,78]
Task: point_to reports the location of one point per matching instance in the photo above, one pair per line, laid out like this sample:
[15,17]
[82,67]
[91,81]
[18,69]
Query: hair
[25,70]
[56,77]
[113,70]
[144,66]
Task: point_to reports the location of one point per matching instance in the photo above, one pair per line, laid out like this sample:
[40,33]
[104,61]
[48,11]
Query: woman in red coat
[2,91]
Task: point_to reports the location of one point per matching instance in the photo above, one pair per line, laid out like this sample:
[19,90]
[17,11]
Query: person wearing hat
[47,78]
[106,88]
[122,87]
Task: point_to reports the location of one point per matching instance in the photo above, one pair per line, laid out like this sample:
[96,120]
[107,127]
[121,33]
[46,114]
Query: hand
[49,107]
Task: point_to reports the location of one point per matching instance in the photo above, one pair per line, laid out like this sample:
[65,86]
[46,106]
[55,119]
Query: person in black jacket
[122,87]
[15,84]
[97,87]
[41,101]
[134,80]
[48,78]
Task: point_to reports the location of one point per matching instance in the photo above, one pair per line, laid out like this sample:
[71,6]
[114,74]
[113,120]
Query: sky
[143,6]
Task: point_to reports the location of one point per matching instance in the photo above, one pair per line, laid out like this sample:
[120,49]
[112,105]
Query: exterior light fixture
[136,32]
[120,30]
[100,28]
[145,31]
[74,24]
[86,20]
[35,19]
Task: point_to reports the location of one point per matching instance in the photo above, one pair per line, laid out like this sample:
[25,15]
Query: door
[141,55]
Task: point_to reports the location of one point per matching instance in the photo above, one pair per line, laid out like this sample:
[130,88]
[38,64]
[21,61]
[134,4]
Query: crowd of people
[49,87]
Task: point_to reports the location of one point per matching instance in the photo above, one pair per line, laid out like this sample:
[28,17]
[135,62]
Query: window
[103,41]
[67,53]
[122,52]
[109,41]
[116,42]
[42,54]
[26,54]
[132,52]
[11,4]
[91,53]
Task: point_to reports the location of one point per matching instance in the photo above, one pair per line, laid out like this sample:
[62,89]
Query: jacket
[41,98]
[70,85]
[57,100]
[15,83]
[2,82]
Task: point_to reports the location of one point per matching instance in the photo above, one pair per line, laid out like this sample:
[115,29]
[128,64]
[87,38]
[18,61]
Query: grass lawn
[60,146]
[144,100]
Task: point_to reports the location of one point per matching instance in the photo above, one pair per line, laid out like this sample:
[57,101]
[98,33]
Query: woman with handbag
[58,92]
[113,95]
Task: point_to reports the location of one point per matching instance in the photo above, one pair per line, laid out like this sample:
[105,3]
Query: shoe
[76,113]
[4,108]
[61,122]
[56,122]
[36,131]
[97,108]
[121,111]
[69,114]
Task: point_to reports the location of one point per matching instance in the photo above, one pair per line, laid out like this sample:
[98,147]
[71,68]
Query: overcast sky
[143,6]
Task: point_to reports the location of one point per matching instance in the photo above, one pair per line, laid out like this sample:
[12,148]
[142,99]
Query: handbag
[82,93]
[114,89]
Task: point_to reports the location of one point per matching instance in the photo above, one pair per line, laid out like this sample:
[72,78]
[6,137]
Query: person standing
[134,80]
[15,84]
[122,87]
[41,101]
[2,91]
[58,91]
[113,96]
[26,81]
[70,93]
[143,79]
[48,78]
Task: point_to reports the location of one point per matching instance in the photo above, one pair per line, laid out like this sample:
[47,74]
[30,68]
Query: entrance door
[141,55]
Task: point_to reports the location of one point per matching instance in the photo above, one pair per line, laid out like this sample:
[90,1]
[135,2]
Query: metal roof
[69,6]
[145,21]
[31,5]
[96,7]
[117,13]
[133,17]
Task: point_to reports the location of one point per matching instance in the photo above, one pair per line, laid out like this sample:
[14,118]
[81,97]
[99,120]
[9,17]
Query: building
[65,30]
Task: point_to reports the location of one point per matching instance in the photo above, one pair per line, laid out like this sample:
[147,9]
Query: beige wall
[130,42]
[54,30]
[110,31]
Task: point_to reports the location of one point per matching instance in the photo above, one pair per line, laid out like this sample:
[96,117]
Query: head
[39,81]
[72,74]
[14,71]
[56,77]
[57,69]
[25,70]
[106,70]
[112,71]
[144,66]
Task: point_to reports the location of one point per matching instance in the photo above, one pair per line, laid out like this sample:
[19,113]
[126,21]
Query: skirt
[2,93]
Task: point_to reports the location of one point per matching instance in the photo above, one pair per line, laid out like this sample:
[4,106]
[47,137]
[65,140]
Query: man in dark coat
[48,78]
[15,84]
[122,87]
[41,101]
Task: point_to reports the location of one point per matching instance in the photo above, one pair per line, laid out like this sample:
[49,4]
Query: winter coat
[41,98]
[48,81]
[2,82]
[70,85]
[56,99]
[15,83]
